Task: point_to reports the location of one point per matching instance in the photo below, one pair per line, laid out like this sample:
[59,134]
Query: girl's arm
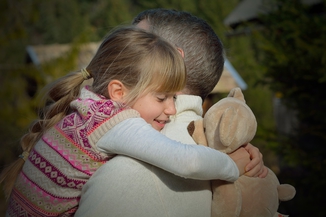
[135,138]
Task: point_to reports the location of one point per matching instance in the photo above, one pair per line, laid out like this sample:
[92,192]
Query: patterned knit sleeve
[135,138]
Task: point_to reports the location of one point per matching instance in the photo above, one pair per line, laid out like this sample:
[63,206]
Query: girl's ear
[116,90]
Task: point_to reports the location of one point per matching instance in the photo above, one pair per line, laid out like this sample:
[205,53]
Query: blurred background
[276,47]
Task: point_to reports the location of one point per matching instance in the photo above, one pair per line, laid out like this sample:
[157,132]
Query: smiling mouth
[161,122]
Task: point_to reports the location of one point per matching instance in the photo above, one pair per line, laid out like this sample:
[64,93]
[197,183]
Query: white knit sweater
[128,187]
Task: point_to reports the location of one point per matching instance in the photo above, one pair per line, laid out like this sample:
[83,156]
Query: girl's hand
[242,158]
[255,168]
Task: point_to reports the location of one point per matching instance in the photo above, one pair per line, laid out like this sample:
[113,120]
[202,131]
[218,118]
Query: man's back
[128,187]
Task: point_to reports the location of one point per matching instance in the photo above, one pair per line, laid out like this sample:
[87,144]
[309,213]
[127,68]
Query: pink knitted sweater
[65,157]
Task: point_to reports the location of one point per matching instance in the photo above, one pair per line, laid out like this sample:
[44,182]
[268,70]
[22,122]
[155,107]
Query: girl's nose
[170,107]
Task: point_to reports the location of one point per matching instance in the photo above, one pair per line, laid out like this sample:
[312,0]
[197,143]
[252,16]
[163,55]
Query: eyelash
[162,99]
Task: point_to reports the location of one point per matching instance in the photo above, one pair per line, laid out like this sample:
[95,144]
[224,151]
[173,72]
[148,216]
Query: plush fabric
[229,124]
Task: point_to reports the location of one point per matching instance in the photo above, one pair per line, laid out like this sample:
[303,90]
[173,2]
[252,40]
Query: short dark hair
[204,53]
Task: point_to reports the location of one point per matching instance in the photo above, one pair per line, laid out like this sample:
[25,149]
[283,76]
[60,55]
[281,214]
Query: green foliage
[186,5]
[292,47]
[107,14]
[57,20]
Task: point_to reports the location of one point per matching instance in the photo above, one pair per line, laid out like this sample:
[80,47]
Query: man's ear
[181,52]
[116,90]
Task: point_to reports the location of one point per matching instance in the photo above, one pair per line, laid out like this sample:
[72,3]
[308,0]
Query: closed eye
[161,99]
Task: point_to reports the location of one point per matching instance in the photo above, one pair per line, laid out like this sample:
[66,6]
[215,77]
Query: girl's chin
[158,126]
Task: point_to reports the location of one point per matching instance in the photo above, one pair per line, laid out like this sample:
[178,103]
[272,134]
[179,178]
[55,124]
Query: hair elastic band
[24,155]
[85,74]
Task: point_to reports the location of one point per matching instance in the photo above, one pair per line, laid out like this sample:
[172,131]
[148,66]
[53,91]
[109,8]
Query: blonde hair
[142,61]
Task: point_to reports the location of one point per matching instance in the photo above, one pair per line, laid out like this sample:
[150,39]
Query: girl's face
[156,108]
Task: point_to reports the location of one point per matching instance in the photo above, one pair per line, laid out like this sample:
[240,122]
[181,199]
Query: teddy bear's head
[227,125]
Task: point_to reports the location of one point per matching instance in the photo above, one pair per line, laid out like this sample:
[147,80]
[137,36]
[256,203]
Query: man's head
[203,50]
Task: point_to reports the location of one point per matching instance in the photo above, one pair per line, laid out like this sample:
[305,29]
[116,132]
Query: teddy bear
[226,126]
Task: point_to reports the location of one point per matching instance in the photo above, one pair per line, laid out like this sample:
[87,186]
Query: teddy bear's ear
[286,192]
[237,93]
[197,132]
[234,130]
[191,128]
[227,127]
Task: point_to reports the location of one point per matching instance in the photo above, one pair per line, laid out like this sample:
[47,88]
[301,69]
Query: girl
[136,75]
